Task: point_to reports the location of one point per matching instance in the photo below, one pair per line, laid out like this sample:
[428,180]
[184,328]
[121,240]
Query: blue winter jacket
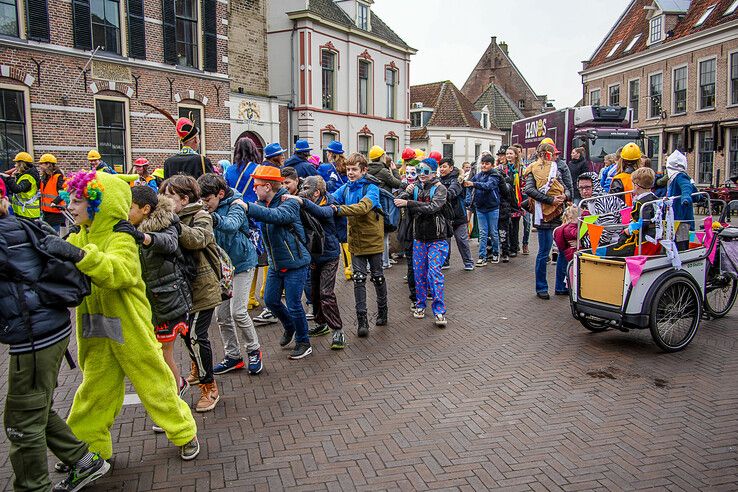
[333,179]
[683,188]
[606,176]
[325,214]
[352,192]
[238,176]
[487,190]
[302,167]
[282,231]
[231,233]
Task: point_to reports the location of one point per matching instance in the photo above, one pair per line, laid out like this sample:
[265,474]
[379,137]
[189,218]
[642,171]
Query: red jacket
[565,237]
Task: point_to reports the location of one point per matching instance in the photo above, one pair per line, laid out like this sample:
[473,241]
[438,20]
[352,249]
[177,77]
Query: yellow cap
[93,155]
[23,157]
[631,152]
[48,158]
[376,152]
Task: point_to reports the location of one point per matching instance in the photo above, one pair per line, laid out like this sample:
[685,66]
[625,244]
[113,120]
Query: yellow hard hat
[158,173]
[419,154]
[93,155]
[376,152]
[548,140]
[48,158]
[631,152]
[23,157]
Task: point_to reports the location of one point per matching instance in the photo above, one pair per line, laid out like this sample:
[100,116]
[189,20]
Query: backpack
[387,207]
[314,234]
[60,282]
[224,269]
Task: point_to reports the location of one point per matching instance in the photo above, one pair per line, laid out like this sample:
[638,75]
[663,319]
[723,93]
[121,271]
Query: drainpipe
[291,105]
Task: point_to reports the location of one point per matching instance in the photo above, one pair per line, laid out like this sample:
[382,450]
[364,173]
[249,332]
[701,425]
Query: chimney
[503,47]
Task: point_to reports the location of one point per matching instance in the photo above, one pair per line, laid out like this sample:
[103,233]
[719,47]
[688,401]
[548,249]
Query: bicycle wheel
[675,314]
[720,294]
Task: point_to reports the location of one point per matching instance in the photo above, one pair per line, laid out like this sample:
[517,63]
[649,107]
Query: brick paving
[513,395]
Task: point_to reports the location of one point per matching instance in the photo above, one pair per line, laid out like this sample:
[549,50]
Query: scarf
[546,182]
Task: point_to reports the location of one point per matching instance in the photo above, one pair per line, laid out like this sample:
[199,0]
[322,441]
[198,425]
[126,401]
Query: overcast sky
[547,39]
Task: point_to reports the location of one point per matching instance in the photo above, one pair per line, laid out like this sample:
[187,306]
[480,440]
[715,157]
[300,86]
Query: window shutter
[37,13]
[210,28]
[170,32]
[82,24]
[136,30]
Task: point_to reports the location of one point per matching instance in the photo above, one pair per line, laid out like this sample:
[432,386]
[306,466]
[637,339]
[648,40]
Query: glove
[75,229]
[57,246]
[216,220]
[127,228]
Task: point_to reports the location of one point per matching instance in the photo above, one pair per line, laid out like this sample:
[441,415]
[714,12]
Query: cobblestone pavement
[514,394]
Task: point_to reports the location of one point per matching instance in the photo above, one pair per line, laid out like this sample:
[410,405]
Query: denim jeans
[488,226]
[291,316]
[545,242]
[561,265]
[526,228]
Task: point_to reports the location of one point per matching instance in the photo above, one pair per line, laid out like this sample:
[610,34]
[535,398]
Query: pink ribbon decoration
[625,215]
[635,267]
[700,236]
[708,239]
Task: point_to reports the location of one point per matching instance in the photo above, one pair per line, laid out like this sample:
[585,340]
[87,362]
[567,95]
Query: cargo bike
[669,301]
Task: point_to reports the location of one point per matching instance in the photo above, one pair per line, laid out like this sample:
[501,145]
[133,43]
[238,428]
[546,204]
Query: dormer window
[655,30]
[362,16]
[704,16]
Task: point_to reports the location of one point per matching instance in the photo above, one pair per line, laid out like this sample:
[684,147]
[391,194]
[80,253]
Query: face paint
[411,174]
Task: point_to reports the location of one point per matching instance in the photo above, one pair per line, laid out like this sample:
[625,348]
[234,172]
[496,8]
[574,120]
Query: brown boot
[194,377]
[525,249]
[209,397]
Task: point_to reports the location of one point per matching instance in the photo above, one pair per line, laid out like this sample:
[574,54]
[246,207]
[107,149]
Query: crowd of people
[160,252]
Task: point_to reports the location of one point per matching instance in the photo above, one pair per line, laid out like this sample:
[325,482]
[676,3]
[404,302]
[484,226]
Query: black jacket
[428,221]
[576,168]
[455,195]
[20,263]
[328,219]
[163,265]
[190,164]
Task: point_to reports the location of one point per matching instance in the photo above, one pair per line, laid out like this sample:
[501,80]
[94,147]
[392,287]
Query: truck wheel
[675,314]
[720,295]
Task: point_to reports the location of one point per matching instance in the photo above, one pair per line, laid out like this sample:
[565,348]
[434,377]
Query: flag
[625,215]
[587,219]
[595,232]
[635,267]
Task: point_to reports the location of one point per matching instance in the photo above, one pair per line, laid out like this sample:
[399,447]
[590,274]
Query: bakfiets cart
[669,300]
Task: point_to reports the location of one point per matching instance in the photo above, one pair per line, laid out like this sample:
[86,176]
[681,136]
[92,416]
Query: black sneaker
[505,259]
[301,350]
[381,317]
[339,340]
[363,330]
[286,339]
[319,331]
[514,254]
[495,258]
[83,476]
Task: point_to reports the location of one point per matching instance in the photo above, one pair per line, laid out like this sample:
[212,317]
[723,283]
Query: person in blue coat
[486,202]
[681,187]
[289,258]
[299,160]
[246,158]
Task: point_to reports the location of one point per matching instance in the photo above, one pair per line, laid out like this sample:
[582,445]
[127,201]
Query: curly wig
[85,185]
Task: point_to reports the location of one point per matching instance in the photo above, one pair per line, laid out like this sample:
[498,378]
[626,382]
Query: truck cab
[602,130]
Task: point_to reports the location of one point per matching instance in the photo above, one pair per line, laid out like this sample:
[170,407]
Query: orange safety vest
[49,194]
[147,178]
[627,181]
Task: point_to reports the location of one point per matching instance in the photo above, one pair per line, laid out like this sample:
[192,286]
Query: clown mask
[411,174]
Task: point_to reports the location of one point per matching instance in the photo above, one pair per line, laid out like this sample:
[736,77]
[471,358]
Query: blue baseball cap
[273,150]
[302,146]
[335,146]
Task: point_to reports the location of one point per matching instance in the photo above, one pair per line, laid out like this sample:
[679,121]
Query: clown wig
[84,184]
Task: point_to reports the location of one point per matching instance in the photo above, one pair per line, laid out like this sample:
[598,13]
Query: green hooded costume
[115,337]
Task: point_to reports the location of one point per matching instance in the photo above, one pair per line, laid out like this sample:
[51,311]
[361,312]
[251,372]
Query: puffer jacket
[429,223]
[323,211]
[389,180]
[302,167]
[197,234]
[231,233]
[19,262]
[282,231]
[455,195]
[163,265]
[486,190]
[365,224]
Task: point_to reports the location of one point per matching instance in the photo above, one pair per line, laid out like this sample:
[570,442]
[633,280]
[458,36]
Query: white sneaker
[157,429]
[440,320]
[419,313]
[265,318]
[310,313]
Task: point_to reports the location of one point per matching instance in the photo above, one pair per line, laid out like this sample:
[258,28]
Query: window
[485,120]
[732,8]
[707,84]
[521,103]
[680,90]
[187,33]
[111,131]
[390,147]
[415,119]
[477,151]
[653,151]
[194,113]
[328,64]
[634,89]
[390,77]
[362,17]
[676,142]
[614,95]
[734,77]
[614,49]
[655,29]
[12,126]
[105,19]
[704,16]
[733,152]
[448,151]
[365,141]
[325,139]
[364,69]
[633,43]
[9,18]
[655,86]
[705,157]
[594,97]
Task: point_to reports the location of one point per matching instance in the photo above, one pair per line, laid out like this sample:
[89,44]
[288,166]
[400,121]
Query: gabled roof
[635,21]
[328,10]
[450,107]
[502,110]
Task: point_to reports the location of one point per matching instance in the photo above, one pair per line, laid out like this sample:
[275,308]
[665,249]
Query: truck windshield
[608,145]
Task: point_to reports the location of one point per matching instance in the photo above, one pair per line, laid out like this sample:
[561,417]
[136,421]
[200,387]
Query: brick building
[443,119]
[675,63]
[74,74]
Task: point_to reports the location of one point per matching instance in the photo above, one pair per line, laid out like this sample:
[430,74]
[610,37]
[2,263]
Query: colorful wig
[84,184]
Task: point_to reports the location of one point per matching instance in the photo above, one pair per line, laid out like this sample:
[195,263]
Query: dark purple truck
[601,130]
